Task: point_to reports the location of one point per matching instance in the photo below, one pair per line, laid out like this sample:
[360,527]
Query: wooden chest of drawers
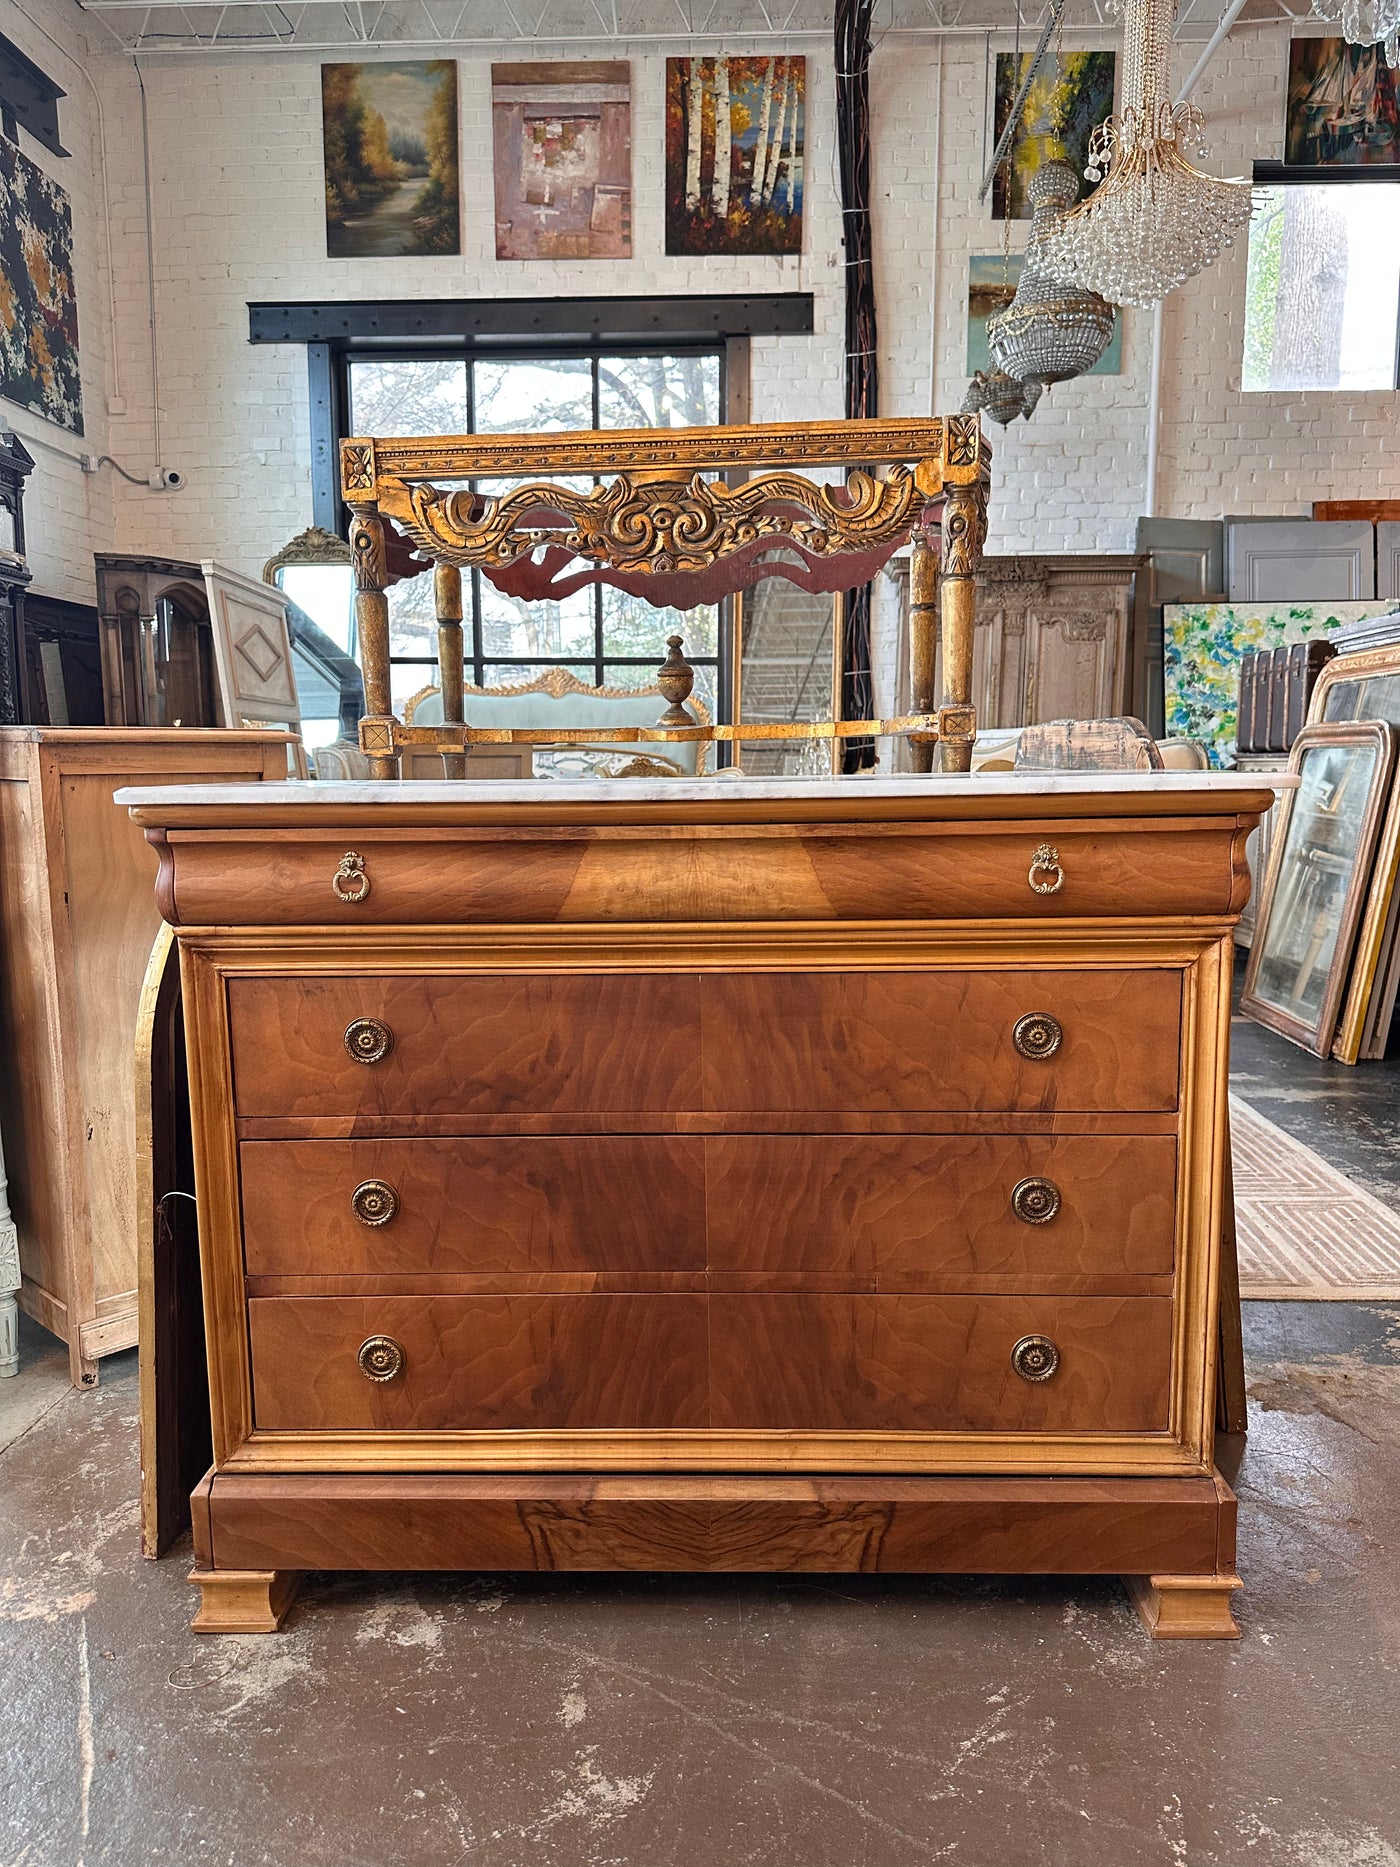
[710,1176]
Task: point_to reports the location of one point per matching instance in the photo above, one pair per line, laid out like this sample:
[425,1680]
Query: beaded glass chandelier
[1156,220]
[1365,22]
[1000,397]
[1050,331]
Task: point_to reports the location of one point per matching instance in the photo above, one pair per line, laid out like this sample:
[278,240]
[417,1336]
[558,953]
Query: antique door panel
[1073,669]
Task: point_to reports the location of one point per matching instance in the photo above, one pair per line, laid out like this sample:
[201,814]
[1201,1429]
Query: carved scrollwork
[656,524]
[964,440]
[964,530]
[367,549]
[1080,628]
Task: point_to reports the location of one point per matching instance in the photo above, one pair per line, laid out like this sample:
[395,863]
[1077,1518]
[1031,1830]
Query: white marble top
[536,791]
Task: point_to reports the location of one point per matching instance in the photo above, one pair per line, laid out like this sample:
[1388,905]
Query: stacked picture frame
[1324,967]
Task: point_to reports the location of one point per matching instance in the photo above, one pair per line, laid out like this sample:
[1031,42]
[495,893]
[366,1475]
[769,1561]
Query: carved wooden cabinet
[710,1176]
[77,923]
[1053,637]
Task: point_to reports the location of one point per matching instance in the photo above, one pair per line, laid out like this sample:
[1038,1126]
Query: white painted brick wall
[236,169]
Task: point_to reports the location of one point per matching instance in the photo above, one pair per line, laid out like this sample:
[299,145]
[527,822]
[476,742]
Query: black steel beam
[492,322]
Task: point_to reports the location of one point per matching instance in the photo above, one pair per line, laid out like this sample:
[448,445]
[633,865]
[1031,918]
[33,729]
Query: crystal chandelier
[1156,221]
[1000,397]
[1050,331]
[1365,22]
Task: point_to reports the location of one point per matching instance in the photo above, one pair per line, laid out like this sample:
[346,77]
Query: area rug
[1305,1230]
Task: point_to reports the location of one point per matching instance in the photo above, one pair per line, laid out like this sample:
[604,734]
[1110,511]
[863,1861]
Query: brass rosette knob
[374,1202]
[1037,1035]
[368,1040]
[1035,1201]
[381,1358]
[1035,1358]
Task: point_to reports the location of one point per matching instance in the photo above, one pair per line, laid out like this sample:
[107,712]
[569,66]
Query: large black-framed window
[601,635]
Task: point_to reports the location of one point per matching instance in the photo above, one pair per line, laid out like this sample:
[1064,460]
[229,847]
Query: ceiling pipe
[1211,47]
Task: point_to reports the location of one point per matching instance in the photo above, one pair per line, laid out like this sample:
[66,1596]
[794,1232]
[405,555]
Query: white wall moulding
[1286,560]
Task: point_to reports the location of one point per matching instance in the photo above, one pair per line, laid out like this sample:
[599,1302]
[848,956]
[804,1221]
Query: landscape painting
[562,138]
[390,139]
[991,285]
[734,154]
[38,309]
[1064,106]
[1341,105]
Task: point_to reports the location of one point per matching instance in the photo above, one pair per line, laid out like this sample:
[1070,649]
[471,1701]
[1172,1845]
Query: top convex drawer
[734,1045]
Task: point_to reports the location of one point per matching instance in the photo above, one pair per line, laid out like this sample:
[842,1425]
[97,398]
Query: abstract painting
[734,154]
[1341,104]
[1204,643]
[991,285]
[1064,106]
[38,311]
[563,158]
[390,140]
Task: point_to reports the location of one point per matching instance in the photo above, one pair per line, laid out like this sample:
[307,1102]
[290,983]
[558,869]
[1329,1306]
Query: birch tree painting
[734,154]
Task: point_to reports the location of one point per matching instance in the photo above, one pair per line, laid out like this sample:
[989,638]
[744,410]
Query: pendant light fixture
[1155,220]
[1050,331]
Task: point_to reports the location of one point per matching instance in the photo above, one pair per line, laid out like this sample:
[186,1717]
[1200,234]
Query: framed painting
[1319,875]
[562,141]
[991,285]
[735,133]
[1065,105]
[389,133]
[38,307]
[1342,107]
[1204,643]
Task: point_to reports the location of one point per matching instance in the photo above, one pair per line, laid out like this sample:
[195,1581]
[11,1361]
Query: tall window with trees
[603,635]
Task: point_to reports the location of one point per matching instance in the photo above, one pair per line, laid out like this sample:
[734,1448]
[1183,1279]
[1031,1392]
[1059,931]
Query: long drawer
[893,1209]
[655,1045]
[864,1363]
[905,872]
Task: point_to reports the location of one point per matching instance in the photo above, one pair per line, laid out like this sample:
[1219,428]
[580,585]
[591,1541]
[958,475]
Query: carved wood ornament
[664,523]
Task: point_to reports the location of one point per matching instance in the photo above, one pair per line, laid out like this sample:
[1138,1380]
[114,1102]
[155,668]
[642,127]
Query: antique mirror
[1319,872]
[313,571]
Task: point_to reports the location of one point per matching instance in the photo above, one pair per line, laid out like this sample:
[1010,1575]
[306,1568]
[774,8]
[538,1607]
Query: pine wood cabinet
[77,924]
[711,1176]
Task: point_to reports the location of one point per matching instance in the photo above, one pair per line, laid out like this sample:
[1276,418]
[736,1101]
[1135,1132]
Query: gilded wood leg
[243,1601]
[1185,1607]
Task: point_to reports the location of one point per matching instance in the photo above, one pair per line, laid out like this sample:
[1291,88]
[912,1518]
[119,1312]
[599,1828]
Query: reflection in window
[605,636]
[1323,287]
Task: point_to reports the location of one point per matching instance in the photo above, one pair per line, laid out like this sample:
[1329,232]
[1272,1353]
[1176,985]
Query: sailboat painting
[1342,107]
[734,154]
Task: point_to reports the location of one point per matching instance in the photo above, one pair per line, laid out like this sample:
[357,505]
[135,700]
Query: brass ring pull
[1035,1358]
[381,1358]
[367,1040]
[351,880]
[1046,862]
[1037,1035]
[374,1202]
[1035,1201]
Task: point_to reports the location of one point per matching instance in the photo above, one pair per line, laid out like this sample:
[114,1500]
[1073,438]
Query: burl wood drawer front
[902,1207]
[480,1363]
[812,872]
[938,1364]
[941,1040]
[535,1203]
[537,1043]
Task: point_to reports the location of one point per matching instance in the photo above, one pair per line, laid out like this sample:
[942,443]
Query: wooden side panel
[522,1043]
[938,1363]
[927,1040]
[899,1207]
[33,1115]
[481,1362]
[535,1203]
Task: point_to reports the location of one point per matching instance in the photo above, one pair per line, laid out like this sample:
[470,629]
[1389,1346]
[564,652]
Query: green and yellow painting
[1064,106]
[1204,643]
[390,139]
[38,309]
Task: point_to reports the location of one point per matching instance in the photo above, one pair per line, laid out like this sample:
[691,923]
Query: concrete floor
[503,1721]
[616,1722]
